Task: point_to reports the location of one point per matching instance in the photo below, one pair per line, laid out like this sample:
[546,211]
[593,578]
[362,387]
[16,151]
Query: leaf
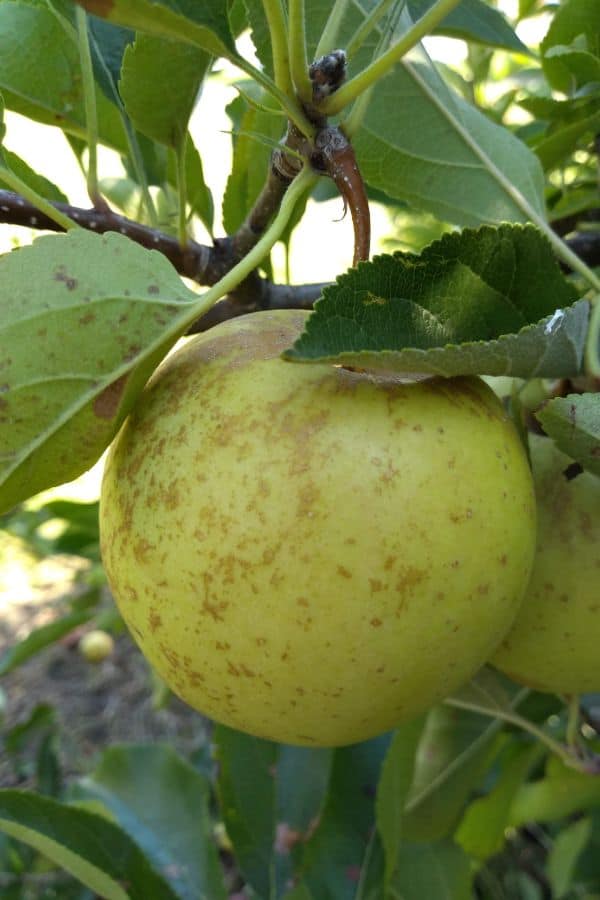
[250,161]
[481,831]
[163,804]
[270,797]
[473,20]
[489,692]
[579,67]
[568,846]
[560,144]
[421,143]
[85,320]
[40,73]
[39,183]
[574,424]
[338,849]
[436,871]
[559,795]
[572,19]
[198,193]
[394,784]
[97,852]
[478,302]
[456,748]
[108,43]
[40,638]
[161,108]
[246,787]
[203,23]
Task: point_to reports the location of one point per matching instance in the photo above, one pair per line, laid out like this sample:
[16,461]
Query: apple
[309,553]
[96,646]
[554,643]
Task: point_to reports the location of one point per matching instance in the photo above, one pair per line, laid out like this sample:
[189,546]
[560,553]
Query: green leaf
[40,73]
[198,193]
[456,748]
[163,804]
[85,320]
[396,778]
[579,67]
[250,160]
[421,143]
[574,423]
[39,183]
[40,638]
[573,19]
[271,795]
[107,44]
[481,831]
[561,143]
[478,302]
[473,20]
[436,871]
[161,108]
[340,846]
[95,851]
[203,23]
[557,796]
[246,787]
[568,846]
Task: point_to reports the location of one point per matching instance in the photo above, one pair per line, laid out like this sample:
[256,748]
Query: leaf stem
[276,20]
[572,722]
[381,66]
[332,27]
[291,106]
[19,187]
[89,97]
[182,232]
[364,30]
[564,753]
[297,50]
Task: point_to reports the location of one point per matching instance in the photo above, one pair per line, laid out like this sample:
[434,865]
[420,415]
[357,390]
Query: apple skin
[96,646]
[553,645]
[307,553]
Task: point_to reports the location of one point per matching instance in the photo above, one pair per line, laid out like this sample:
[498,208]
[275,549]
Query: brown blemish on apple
[106,404]
[343,571]
[142,550]
[170,655]
[376,623]
[154,620]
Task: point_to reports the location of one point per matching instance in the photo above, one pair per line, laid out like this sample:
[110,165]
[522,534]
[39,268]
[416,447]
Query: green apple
[554,643]
[308,553]
[96,646]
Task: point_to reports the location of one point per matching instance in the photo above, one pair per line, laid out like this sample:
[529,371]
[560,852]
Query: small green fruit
[96,646]
[308,553]
[553,645]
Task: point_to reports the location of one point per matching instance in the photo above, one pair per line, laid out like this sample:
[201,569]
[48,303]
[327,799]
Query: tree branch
[203,264]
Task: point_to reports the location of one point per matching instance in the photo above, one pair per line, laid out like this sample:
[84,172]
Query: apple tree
[377,574]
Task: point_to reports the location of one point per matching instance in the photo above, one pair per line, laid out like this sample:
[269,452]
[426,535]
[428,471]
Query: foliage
[487,168]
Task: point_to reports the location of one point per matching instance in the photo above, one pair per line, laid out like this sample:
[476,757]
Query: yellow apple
[96,646]
[554,644]
[308,553]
